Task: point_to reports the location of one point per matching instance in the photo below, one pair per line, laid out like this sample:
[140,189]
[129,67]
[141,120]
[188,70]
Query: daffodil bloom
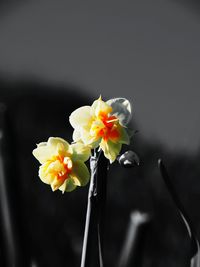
[103,124]
[62,165]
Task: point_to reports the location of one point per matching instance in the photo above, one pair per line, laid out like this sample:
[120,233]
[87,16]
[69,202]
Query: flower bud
[129,159]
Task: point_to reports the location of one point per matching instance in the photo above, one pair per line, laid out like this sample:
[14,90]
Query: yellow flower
[62,165]
[103,124]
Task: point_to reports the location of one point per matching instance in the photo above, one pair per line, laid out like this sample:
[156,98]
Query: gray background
[147,51]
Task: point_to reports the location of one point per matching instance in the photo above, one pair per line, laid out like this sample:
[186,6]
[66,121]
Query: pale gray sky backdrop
[147,51]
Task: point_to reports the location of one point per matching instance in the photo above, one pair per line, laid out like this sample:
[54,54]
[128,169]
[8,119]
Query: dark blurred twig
[14,243]
[131,254]
[194,253]
[9,233]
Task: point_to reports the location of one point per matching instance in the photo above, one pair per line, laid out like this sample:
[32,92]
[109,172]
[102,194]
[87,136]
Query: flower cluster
[102,125]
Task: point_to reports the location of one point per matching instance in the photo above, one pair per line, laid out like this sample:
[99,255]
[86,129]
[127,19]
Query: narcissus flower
[103,124]
[63,165]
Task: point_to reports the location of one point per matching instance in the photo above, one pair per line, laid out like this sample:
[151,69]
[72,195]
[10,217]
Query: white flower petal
[121,109]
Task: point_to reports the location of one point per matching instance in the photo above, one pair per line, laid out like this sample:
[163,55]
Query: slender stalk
[92,251]
[194,253]
[90,215]
[102,169]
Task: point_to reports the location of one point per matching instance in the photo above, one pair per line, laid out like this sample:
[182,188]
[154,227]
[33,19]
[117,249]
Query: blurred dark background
[59,55]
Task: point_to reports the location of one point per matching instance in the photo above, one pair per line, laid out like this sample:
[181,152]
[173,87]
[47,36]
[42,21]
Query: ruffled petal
[43,152]
[76,135]
[54,146]
[46,177]
[121,108]
[92,141]
[124,137]
[56,184]
[99,106]
[81,117]
[80,173]
[62,147]
[67,186]
[80,151]
[111,150]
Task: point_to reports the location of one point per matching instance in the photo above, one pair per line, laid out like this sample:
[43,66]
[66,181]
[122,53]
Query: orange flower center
[64,168]
[110,129]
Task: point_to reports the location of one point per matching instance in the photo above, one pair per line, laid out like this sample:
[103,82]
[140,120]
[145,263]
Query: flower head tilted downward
[62,165]
[103,124]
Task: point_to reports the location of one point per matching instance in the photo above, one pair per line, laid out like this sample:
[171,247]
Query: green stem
[92,251]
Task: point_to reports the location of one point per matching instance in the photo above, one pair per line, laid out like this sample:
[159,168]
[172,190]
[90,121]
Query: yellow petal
[43,152]
[81,117]
[48,173]
[67,186]
[80,151]
[54,146]
[100,106]
[62,147]
[45,177]
[88,139]
[80,173]
[124,137]
[56,184]
[96,126]
[76,135]
[111,150]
